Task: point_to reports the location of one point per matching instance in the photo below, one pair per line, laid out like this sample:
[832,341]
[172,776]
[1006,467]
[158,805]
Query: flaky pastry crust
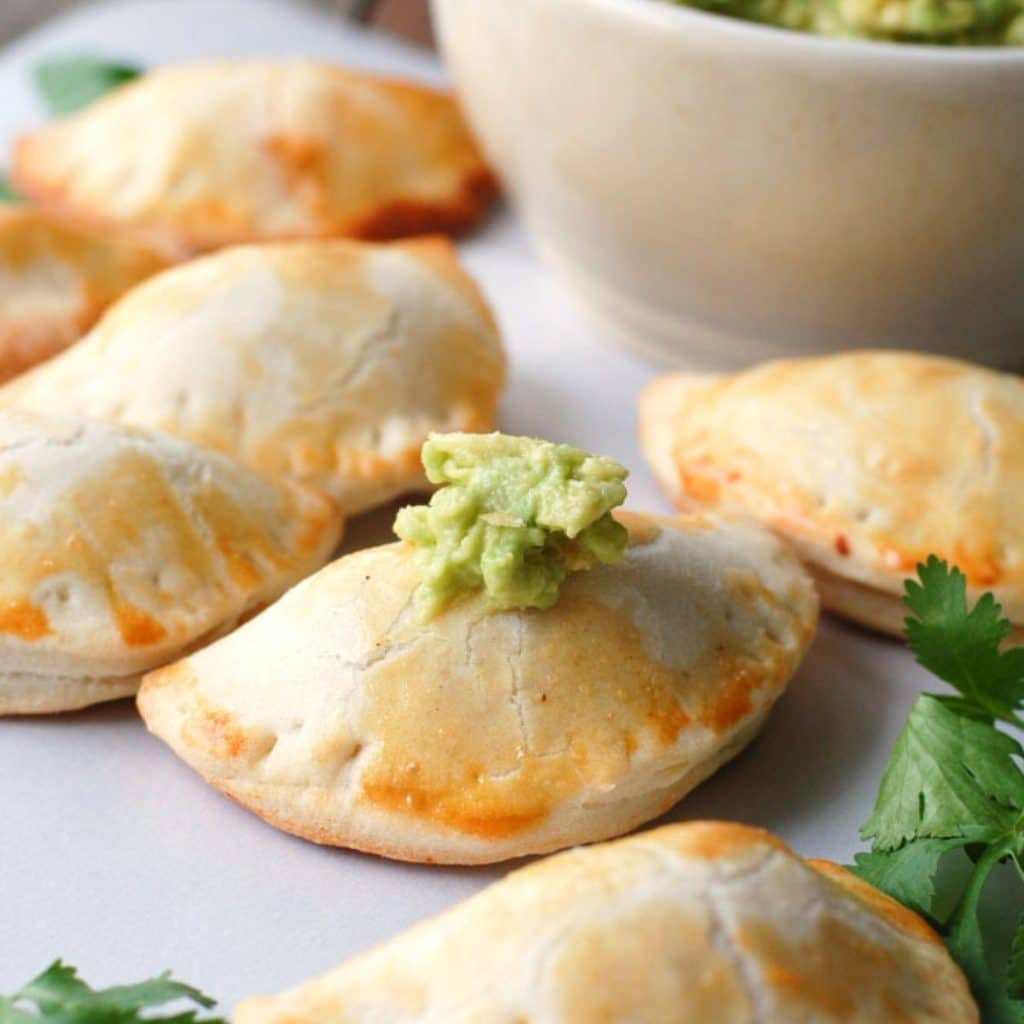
[325,362]
[706,922]
[475,737]
[211,154]
[867,462]
[124,549]
[56,279]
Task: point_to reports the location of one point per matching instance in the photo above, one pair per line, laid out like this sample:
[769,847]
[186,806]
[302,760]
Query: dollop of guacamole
[513,517]
[949,22]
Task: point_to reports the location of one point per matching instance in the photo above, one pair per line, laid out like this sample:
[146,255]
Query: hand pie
[708,923]
[206,155]
[867,462]
[339,715]
[329,362]
[123,550]
[55,281]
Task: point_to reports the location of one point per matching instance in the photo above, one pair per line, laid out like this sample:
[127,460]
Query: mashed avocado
[952,22]
[515,516]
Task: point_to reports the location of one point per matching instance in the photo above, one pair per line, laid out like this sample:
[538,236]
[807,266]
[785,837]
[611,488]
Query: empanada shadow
[119,712]
[821,733]
[369,529]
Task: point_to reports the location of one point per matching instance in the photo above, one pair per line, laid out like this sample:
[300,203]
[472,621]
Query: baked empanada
[705,923]
[205,155]
[123,549]
[55,281]
[340,715]
[867,462]
[329,362]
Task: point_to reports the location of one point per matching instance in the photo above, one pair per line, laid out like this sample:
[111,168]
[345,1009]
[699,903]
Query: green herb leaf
[908,873]
[1005,1011]
[1015,965]
[961,647]
[59,996]
[948,776]
[964,935]
[993,1003]
[953,780]
[68,84]
[7,193]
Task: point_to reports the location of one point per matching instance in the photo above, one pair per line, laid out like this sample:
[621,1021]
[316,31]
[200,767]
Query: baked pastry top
[867,462]
[705,922]
[327,362]
[124,549]
[56,278]
[340,715]
[205,155]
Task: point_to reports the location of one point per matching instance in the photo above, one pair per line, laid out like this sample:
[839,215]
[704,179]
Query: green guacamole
[950,22]
[513,518]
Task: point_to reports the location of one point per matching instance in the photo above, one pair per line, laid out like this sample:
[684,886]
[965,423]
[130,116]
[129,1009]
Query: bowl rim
[665,14]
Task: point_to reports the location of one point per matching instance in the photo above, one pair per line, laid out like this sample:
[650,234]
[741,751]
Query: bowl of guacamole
[719,182]
[934,22]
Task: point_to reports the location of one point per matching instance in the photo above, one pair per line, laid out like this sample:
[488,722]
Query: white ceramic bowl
[721,192]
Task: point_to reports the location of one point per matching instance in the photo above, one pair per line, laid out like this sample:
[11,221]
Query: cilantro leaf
[7,193]
[961,647]
[948,775]
[995,1006]
[1005,1011]
[1015,966]
[964,936]
[68,84]
[59,996]
[57,984]
[908,873]
[954,780]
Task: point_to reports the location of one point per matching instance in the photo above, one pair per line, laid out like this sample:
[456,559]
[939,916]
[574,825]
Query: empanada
[340,715]
[329,362]
[123,549]
[705,923]
[867,462]
[205,155]
[55,281]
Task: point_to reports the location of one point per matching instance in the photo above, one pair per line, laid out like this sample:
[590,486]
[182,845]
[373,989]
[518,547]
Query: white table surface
[114,855]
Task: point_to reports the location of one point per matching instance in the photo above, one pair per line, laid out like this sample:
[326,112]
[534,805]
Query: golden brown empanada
[123,549]
[55,280]
[867,461]
[339,715]
[205,155]
[329,362]
[704,923]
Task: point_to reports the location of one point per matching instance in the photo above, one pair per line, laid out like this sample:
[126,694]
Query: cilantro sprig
[7,193]
[963,646]
[59,996]
[67,84]
[954,784]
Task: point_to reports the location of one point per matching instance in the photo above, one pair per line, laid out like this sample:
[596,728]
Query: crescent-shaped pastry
[122,550]
[206,155]
[867,462]
[341,716]
[328,362]
[708,923]
[55,281]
